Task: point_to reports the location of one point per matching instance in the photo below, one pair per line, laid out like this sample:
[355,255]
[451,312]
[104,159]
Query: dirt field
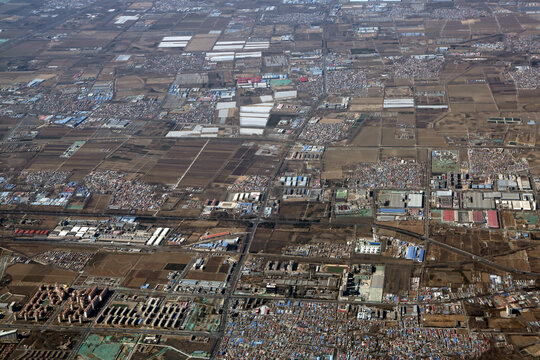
[402,153]
[275,240]
[368,136]
[480,242]
[111,264]
[397,277]
[215,268]
[202,42]
[170,166]
[428,137]
[444,277]
[470,94]
[214,158]
[29,274]
[534,259]
[139,270]
[518,260]
[415,226]
[336,158]
[444,320]
[88,156]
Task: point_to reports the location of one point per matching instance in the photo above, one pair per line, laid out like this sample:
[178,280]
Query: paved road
[274,139]
[93,328]
[257,221]
[458,251]
[245,249]
[3,262]
[240,264]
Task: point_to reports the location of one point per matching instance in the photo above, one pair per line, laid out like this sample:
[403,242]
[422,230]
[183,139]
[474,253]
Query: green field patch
[444,161]
[335,269]
[280,82]
[174,267]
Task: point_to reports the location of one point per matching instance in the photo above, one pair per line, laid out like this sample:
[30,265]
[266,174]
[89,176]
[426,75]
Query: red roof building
[448,216]
[247,80]
[477,216]
[493,220]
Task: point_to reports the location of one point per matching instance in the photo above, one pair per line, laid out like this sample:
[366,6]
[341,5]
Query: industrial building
[256,115]
[398,103]
[367,246]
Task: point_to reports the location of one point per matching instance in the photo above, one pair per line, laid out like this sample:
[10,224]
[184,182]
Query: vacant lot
[111,264]
[27,274]
[335,159]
